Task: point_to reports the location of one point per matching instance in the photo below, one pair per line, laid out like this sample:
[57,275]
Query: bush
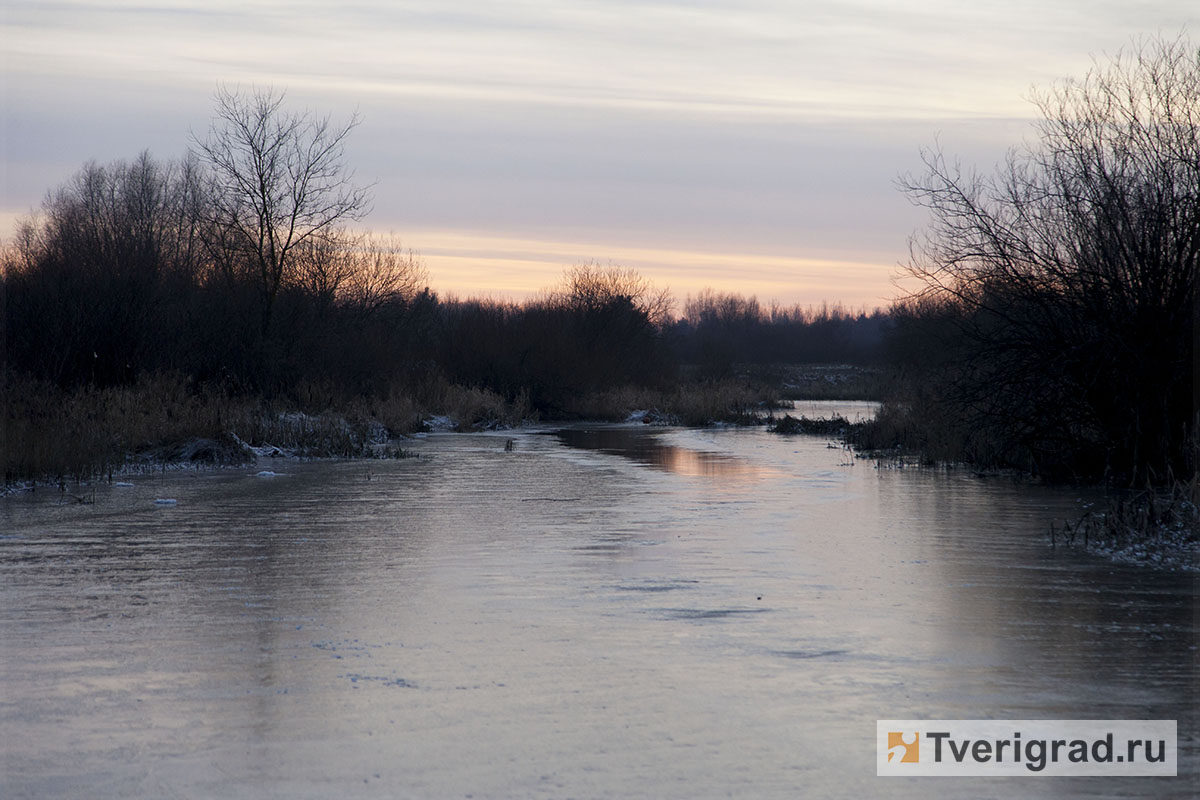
[1056,318]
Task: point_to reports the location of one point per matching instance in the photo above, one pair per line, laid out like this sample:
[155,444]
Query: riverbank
[1157,526]
[58,437]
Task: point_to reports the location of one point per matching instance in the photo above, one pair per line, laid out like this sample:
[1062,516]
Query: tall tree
[280,183]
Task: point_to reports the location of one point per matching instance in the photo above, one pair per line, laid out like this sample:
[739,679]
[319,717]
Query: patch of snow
[1175,549]
[440,423]
[123,485]
[262,451]
[165,501]
[266,473]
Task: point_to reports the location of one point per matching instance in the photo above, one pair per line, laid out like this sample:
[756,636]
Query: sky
[742,145]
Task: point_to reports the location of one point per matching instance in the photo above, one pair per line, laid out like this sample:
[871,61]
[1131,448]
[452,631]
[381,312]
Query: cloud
[747,127]
[877,58]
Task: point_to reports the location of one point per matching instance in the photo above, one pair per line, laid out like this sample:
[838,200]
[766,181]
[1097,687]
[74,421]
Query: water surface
[601,612]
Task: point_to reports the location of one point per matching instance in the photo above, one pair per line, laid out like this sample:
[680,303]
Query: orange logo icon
[907,746]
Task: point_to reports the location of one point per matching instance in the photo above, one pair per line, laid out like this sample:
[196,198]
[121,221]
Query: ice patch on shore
[1168,548]
[651,416]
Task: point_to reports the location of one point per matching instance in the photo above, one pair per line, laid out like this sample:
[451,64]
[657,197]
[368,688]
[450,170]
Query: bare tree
[280,183]
[590,287]
[1074,268]
[381,272]
[360,272]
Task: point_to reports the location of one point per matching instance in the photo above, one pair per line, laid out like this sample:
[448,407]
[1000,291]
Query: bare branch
[279,182]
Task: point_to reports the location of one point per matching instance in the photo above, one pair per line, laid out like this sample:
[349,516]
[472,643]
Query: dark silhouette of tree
[362,272]
[280,184]
[589,288]
[1072,272]
[96,282]
[721,329]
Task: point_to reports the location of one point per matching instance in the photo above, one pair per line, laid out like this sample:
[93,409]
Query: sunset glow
[468,264]
[749,147]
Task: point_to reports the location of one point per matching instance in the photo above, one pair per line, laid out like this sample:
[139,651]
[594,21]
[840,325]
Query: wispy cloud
[854,58]
[769,127]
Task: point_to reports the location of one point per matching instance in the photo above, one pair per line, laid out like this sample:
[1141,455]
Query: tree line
[718,330]
[237,267]
[126,272]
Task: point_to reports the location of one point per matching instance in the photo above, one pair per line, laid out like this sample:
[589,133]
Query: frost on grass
[439,423]
[1174,549]
[1160,529]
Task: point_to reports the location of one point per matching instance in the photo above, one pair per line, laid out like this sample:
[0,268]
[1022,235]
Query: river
[590,612]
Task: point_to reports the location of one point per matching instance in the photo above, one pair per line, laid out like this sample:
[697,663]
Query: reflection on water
[555,621]
[646,446]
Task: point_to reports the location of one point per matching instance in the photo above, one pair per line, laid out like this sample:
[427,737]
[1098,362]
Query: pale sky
[746,145]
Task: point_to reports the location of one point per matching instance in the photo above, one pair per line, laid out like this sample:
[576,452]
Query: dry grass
[57,435]
[477,409]
[49,434]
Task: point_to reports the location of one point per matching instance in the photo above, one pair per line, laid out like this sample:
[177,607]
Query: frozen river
[611,611]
